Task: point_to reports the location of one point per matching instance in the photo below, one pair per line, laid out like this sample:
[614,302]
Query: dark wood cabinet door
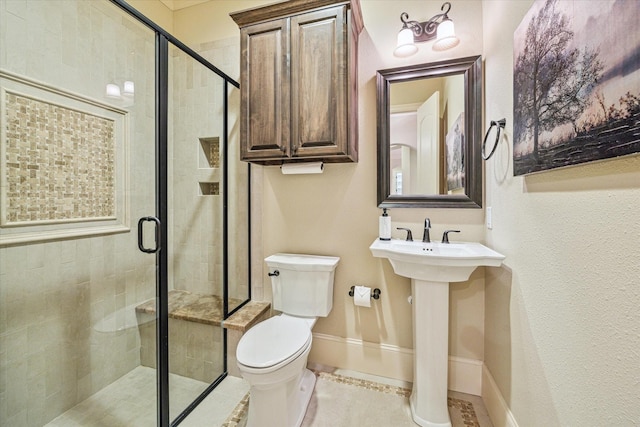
[319,83]
[298,80]
[265,91]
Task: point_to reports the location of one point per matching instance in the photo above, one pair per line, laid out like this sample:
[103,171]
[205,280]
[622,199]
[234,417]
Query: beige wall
[156,11]
[210,21]
[562,325]
[336,214]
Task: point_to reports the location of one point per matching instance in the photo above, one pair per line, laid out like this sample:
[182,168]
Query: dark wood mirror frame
[471,67]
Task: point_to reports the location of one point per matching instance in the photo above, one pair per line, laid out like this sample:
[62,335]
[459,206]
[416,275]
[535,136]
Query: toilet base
[276,410]
[307,384]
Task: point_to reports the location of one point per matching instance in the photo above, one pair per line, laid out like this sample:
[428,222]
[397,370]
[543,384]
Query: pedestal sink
[431,267]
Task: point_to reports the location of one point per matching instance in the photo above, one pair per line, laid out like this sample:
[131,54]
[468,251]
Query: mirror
[429,135]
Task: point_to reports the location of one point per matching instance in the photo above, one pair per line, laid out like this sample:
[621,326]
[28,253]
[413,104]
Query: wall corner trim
[497,407]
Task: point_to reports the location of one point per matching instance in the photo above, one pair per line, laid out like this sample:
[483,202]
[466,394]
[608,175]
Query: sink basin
[438,262]
[431,266]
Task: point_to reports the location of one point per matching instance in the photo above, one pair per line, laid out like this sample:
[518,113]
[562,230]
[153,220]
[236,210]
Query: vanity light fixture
[439,27]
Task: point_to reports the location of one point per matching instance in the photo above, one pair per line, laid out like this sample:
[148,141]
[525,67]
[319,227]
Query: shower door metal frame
[163,39]
[162,208]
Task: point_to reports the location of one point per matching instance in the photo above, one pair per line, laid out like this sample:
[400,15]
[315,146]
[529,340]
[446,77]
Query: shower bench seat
[185,305]
[195,333]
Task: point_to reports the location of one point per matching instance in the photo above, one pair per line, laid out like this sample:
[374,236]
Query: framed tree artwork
[576,82]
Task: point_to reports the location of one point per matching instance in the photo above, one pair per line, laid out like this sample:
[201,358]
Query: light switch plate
[489,219]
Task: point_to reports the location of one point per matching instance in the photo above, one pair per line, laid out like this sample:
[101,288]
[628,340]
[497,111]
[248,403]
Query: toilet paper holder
[375,294]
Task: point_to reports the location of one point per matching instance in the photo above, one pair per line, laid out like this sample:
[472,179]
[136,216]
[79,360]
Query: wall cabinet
[298,81]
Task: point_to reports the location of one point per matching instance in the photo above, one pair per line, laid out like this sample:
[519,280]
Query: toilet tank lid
[302,262]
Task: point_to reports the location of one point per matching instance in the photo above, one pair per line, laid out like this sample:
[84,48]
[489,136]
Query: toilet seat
[273,341]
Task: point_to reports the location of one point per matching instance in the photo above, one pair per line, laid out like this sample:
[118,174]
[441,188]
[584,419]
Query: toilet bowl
[272,355]
[273,359]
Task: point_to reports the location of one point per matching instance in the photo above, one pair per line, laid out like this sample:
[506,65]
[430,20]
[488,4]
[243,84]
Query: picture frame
[580,101]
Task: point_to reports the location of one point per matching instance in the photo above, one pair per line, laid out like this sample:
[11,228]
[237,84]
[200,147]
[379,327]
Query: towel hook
[500,124]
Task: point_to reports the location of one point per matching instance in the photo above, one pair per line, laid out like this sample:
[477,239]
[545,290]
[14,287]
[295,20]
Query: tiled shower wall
[195,219]
[196,223]
[53,294]
[224,54]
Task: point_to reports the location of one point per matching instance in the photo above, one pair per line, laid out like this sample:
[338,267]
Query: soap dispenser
[385,226]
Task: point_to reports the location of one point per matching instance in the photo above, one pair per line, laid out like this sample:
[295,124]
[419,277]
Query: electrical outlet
[489,219]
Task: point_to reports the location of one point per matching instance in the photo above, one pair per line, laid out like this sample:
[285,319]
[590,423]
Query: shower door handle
[158,234]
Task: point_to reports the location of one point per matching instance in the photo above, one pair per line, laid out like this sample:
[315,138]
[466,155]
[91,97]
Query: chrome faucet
[445,235]
[425,234]
[409,235]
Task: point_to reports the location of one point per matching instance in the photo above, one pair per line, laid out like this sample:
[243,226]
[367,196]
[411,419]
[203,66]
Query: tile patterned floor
[130,401]
[342,400]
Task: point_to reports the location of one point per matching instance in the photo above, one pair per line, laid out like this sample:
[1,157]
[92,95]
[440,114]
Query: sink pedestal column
[431,267]
[431,353]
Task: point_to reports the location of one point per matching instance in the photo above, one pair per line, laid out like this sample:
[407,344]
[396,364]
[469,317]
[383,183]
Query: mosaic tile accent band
[60,162]
[461,411]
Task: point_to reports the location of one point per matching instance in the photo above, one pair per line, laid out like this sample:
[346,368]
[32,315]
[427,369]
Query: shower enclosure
[124,229]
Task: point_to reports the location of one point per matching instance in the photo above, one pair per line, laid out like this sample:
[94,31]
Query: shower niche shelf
[209,166]
[210,153]
[209,188]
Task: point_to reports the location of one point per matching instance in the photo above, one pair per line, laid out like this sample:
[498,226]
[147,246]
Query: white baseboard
[356,355]
[497,407]
[465,375]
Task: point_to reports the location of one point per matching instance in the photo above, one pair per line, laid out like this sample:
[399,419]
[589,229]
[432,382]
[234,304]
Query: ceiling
[181,4]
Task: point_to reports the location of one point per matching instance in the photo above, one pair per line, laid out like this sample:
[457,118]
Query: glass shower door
[78,115]
[196,215]
[106,123]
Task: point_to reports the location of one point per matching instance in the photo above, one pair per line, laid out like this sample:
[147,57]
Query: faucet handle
[409,235]
[425,234]
[445,235]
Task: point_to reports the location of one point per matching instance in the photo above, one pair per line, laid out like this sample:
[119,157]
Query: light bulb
[446,36]
[405,46]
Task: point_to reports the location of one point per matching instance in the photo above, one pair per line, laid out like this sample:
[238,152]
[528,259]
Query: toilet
[272,355]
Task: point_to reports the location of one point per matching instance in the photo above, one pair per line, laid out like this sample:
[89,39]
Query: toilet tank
[303,285]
